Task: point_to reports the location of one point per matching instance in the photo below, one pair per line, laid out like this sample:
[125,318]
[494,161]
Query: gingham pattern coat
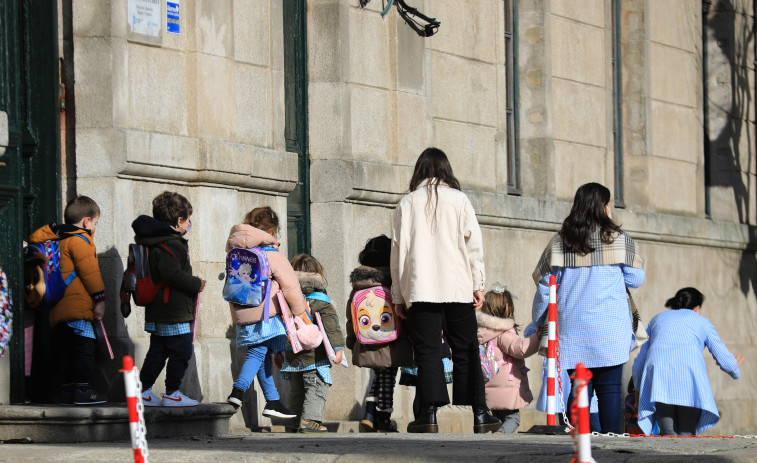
[670,366]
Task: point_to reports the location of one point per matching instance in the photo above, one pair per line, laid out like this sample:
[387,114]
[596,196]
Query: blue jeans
[606,381]
[258,361]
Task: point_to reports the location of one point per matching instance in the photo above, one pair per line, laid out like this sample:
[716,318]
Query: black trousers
[177,349]
[76,355]
[468,382]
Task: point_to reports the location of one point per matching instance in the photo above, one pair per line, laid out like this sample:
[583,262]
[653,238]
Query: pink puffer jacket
[508,390]
[284,278]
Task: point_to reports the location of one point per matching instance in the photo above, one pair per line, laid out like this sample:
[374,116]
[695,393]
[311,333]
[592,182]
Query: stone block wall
[202,113]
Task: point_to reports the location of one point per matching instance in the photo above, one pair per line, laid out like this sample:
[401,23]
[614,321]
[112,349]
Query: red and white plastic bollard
[136,410]
[551,351]
[583,443]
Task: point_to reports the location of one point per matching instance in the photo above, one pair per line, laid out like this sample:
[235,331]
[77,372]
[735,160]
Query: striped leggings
[382,389]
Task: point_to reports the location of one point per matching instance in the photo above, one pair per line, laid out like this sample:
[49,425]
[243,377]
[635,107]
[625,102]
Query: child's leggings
[382,388]
[676,420]
[258,361]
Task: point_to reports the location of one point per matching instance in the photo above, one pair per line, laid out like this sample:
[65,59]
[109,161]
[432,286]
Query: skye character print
[373,317]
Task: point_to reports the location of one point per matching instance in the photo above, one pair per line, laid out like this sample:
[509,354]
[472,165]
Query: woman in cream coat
[437,268]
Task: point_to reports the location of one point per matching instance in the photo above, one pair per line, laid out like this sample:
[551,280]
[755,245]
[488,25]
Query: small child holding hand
[502,352]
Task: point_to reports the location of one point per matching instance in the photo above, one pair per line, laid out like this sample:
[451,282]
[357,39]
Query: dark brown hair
[433,165]
[499,305]
[168,207]
[307,263]
[586,215]
[263,218]
[79,208]
[685,298]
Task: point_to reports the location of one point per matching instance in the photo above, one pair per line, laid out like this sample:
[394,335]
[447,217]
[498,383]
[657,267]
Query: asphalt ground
[383,448]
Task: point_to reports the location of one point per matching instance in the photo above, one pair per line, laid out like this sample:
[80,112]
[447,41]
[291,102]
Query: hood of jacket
[150,231]
[365,277]
[246,236]
[311,282]
[489,326]
[57,232]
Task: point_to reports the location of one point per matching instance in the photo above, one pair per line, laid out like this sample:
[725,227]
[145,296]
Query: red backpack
[138,282]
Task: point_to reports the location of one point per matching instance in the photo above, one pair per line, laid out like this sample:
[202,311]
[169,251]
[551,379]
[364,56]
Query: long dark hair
[586,215]
[685,298]
[434,166]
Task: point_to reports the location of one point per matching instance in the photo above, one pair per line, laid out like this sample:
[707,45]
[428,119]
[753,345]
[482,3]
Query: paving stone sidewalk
[383,448]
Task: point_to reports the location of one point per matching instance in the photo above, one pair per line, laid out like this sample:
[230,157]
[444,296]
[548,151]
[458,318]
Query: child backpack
[248,278]
[44,285]
[137,280]
[373,317]
[490,365]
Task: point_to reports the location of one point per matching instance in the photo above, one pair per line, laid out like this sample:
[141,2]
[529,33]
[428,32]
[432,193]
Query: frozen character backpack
[490,365]
[248,277]
[373,317]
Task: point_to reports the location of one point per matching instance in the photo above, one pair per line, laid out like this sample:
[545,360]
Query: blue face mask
[186,230]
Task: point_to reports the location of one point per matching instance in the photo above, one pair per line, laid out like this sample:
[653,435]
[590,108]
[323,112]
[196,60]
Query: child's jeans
[510,420]
[258,361]
[76,353]
[177,349]
[308,394]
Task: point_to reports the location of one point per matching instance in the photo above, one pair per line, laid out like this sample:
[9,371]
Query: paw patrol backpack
[44,285]
[373,317]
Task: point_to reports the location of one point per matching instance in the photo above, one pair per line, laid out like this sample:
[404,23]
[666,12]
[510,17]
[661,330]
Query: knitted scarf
[623,250]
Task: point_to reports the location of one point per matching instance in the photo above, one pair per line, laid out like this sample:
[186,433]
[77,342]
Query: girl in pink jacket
[502,352]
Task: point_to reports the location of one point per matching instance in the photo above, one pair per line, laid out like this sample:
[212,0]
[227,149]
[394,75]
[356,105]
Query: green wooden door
[30,166]
[296,126]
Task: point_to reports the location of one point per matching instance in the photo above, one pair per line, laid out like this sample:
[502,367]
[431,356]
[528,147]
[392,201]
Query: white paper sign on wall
[144,17]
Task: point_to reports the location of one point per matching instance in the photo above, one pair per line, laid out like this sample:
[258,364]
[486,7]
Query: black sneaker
[66,394]
[88,397]
[235,398]
[275,409]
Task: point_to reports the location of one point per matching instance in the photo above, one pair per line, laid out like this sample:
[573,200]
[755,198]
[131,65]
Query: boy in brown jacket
[82,303]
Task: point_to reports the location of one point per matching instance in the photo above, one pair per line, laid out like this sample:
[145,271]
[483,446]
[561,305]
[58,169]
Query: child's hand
[338,357]
[399,309]
[202,285]
[739,360]
[99,310]
[278,360]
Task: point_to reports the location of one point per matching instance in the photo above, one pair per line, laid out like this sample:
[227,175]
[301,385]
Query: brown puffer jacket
[397,353]
[80,255]
[246,236]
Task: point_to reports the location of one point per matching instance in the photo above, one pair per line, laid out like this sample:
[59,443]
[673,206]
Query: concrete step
[109,422]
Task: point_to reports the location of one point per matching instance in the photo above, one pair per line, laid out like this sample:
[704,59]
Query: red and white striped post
[136,410]
[551,351]
[583,443]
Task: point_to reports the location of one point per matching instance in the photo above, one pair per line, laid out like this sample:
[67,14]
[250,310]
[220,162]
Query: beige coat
[503,393]
[440,258]
[284,278]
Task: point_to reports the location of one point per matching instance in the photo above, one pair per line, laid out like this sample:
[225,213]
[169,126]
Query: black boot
[384,422]
[369,418]
[426,421]
[483,421]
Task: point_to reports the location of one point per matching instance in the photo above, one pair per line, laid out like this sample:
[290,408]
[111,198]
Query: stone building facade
[529,98]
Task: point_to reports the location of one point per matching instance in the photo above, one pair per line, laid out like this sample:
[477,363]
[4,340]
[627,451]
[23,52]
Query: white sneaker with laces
[177,399]
[149,399]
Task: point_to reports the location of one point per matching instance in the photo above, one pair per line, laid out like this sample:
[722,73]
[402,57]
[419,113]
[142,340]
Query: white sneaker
[177,399]
[149,399]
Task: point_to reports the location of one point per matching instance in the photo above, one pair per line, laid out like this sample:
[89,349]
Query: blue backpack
[248,278]
[44,285]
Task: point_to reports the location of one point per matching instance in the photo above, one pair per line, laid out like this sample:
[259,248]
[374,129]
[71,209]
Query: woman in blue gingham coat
[594,262]
[670,373]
